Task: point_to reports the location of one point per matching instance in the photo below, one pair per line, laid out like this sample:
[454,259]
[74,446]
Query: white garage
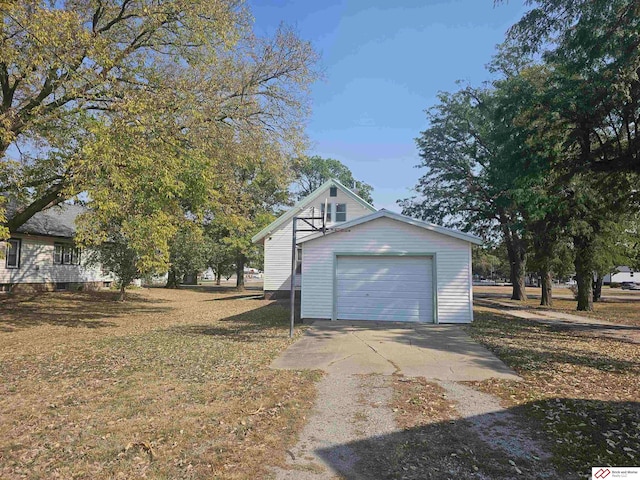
[388,267]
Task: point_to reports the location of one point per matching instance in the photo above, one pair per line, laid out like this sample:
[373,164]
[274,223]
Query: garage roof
[400,218]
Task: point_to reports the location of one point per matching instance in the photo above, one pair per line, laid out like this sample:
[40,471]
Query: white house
[622,274]
[380,266]
[343,205]
[41,255]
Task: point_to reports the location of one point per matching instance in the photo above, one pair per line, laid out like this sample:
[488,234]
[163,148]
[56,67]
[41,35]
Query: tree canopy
[311,172]
[544,158]
[143,109]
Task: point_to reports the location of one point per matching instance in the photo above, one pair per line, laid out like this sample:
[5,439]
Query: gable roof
[57,221]
[304,203]
[400,218]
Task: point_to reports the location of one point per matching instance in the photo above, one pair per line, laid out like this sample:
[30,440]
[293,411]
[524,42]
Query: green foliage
[145,109]
[591,48]
[117,257]
[490,262]
[189,251]
[311,172]
[545,157]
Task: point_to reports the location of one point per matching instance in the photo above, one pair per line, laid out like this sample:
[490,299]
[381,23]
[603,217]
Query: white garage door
[384,288]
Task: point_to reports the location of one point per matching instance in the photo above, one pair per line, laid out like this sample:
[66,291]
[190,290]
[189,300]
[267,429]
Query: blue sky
[384,63]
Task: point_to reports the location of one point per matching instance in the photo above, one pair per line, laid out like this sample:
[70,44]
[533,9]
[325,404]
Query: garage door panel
[382,277]
[373,285]
[384,288]
[383,303]
[382,317]
[404,269]
[423,294]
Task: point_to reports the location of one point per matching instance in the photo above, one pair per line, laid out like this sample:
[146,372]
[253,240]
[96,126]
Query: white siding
[628,275]
[452,257]
[36,265]
[277,245]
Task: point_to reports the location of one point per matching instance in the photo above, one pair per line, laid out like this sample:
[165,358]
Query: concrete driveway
[439,352]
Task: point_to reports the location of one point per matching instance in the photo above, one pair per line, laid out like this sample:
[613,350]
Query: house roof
[57,221]
[400,218]
[304,203]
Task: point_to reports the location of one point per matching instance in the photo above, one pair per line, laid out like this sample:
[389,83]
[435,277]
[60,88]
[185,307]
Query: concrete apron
[437,352]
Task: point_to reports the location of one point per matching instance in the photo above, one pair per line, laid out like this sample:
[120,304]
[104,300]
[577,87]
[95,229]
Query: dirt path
[351,411]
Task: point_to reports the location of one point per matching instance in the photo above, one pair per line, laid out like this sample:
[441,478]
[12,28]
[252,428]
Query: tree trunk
[584,273]
[597,288]
[218,277]
[172,279]
[547,287]
[240,272]
[123,292]
[517,266]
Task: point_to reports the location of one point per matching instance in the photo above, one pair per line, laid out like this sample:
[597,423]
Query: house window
[328,211]
[299,260]
[333,191]
[66,254]
[341,212]
[13,253]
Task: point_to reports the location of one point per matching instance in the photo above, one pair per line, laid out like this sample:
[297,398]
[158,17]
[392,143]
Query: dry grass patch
[436,442]
[581,388]
[173,384]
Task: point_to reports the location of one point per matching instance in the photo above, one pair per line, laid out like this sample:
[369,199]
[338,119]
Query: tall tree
[591,53]
[255,184]
[311,172]
[592,49]
[470,179]
[183,78]
[188,253]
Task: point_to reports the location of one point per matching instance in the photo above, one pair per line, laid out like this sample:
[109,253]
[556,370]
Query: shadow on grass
[223,289]
[533,344]
[482,446]
[245,296]
[251,326]
[71,309]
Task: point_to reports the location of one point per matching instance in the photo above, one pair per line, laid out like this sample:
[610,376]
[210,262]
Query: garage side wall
[452,256]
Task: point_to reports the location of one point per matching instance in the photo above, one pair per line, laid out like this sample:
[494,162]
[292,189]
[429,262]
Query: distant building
[623,274]
[41,255]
